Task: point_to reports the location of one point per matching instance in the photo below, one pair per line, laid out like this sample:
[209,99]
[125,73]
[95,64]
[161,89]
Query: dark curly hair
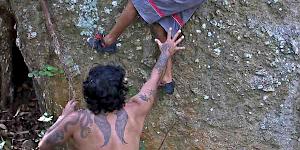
[104,89]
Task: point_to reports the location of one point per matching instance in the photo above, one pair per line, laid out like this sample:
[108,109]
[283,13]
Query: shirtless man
[109,123]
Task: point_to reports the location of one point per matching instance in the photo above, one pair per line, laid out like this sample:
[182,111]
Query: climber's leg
[127,17]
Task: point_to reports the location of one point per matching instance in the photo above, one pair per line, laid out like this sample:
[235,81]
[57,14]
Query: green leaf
[30,75]
[44,68]
[49,74]
[61,71]
[52,68]
[142,145]
[42,73]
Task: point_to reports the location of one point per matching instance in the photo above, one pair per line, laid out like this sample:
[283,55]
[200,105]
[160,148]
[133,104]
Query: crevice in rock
[16,86]
[23,85]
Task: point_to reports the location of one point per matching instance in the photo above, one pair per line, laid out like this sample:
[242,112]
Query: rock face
[238,83]
[6,42]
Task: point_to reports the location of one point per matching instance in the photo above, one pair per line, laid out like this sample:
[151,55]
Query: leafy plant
[142,145]
[46,71]
[48,119]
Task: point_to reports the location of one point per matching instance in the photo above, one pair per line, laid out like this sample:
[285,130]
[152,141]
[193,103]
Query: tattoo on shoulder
[104,126]
[122,119]
[85,123]
[83,117]
[55,137]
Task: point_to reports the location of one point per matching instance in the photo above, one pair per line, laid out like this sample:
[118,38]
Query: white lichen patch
[217,51]
[119,44]
[247,55]
[107,10]
[209,34]
[114,3]
[263,80]
[205,97]
[31,34]
[88,17]
[139,48]
[282,125]
[18,43]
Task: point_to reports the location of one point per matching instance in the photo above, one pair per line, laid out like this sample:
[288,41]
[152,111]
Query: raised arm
[62,129]
[145,98]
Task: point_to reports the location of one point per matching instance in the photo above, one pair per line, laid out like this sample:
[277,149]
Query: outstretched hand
[69,108]
[170,45]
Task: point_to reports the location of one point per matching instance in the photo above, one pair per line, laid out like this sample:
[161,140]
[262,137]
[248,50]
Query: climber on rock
[109,123]
[162,14]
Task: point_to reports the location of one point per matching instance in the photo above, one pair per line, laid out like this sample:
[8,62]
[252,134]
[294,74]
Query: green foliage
[48,121]
[142,145]
[46,71]
[132,91]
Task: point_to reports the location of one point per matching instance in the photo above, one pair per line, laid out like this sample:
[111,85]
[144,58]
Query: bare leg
[161,34]
[127,17]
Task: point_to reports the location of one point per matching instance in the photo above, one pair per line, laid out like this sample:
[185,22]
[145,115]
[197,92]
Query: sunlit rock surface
[237,83]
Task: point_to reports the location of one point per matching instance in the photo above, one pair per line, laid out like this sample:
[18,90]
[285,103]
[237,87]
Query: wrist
[60,117]
[166,54]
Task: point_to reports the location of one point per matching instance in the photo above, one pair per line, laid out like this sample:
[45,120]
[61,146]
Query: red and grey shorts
[168,13]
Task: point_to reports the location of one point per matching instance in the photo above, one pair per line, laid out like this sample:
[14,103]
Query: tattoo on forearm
[104,126]
[161,62]
[163,58]
[55,137]
[122,118]
[165,47]
[85,122]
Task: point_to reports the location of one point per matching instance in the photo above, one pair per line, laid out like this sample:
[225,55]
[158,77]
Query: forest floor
[19,125]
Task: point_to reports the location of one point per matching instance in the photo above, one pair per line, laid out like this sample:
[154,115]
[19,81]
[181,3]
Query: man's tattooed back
[99,131]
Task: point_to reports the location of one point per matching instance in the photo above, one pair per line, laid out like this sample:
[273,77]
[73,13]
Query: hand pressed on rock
[170,45]
[69,108]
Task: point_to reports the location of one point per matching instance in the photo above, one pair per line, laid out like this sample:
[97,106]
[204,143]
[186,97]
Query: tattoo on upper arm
[85,122]
[55,138]
[83,117]
[104,126]
[122,119]
[146,96]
